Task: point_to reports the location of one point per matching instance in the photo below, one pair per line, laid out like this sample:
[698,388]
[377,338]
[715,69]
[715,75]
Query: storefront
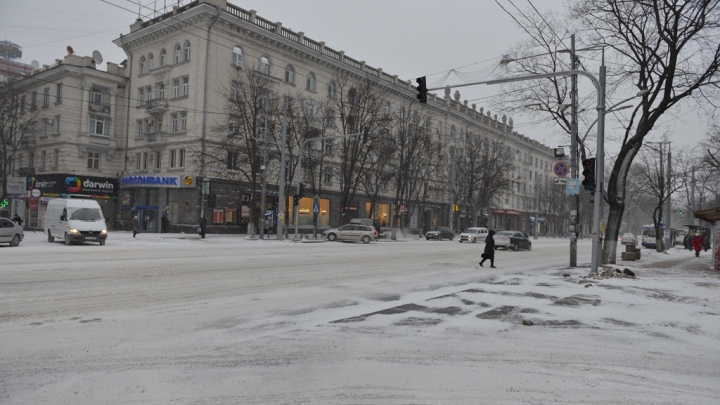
[43,188]
[149,197]
[507,220]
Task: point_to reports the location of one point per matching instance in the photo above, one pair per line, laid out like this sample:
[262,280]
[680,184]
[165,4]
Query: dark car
[513,240]
[440,234]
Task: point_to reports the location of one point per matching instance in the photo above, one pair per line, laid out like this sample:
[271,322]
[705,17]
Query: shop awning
[712,215]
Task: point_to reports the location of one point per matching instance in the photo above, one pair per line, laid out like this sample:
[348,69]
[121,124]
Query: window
[332,90]
[99,125]
[142,128]
[328,176]
[289,74]
[56,157]
[20,161]
[93,160]
[264,65]
[175,88]
[178,122]
[56,128]
[232,160]
[163,57]
[330,118]
[148,93]
[31,159]
[310,85]
[237,56]
[183,121]
[388,109]
[160,90]
[174,124]
[187,50]
[185,85]
[58,93]
[22,104]
[142,64]
[46,97]
[150,61]
[178,53]
[43,156]
[453,132]
[33,100]
[310,109]
[177,158]
[234,125]
[96,96]
[138,160]
[46,126]
[329,146]
[353,97]
[141,96]
[158,159]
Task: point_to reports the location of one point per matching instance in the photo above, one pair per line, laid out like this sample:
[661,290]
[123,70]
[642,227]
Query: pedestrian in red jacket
[697,244]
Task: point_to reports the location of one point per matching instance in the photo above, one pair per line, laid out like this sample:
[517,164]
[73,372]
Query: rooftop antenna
[97,57]
[35,64]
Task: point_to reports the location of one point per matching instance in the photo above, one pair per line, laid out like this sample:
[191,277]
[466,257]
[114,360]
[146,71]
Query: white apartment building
[178,67]
[74,135]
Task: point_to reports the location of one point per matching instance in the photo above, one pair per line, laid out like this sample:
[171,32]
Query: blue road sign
[316,208]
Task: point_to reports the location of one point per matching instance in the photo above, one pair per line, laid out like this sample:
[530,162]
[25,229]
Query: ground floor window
[305,210]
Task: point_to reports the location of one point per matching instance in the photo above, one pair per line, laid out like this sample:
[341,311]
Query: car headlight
[103,232]
[72,230]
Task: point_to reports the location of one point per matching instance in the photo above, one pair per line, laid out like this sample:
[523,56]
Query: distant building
[10,68]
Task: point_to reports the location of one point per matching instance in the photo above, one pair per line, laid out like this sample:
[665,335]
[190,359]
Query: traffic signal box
[589,174]
[422,89]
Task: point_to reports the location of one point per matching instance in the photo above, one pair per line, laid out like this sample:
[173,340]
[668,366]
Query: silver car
[473,235]
[10,232]
[628,239]
[352,232]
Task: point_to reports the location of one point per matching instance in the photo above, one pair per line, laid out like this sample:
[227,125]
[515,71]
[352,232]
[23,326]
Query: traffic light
[680,212]
[589,173]
[422,89]
[301,191]
[296,200]
[366,132]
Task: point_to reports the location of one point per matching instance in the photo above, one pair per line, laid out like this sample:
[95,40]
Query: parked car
[513,240]
[10,232]
[352,232]
[628,239]
[440,234]
[473,235]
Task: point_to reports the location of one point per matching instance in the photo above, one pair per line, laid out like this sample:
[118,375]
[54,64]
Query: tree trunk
[609,251]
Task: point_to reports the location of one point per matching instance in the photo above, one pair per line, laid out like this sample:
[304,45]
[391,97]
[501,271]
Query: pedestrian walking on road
[136,225]
[489,253]
[203,227]
[698,243]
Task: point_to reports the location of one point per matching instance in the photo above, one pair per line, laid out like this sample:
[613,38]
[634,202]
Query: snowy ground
[170,318]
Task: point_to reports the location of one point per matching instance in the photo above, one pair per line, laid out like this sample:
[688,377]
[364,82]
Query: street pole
[451,218]
[574,161]
[264,177]
[537,207]
[599,174]
[668,202]
[281,181]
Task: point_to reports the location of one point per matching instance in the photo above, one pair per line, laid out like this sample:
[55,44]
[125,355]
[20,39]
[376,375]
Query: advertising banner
[63,185]
[16,187]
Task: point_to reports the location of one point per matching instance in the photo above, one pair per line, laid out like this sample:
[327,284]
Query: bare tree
[18,121]
[358,103]
[670,48]
[237,151]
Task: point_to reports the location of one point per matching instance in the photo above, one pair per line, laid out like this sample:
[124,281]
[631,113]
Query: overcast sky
[409,38]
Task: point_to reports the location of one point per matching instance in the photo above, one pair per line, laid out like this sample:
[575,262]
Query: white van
[75,220]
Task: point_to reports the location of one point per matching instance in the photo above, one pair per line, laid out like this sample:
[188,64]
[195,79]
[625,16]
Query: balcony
[156,105]
[100,108]
[157,137]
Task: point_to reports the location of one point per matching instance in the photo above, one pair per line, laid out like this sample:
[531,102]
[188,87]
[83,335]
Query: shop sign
[178,181]
[63,185]
[33,203]
[16,187]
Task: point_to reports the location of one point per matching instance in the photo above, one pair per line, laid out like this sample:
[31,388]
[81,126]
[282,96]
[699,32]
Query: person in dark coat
[203,227]
[17,219]
[164,223]
[136,225]
[489,253]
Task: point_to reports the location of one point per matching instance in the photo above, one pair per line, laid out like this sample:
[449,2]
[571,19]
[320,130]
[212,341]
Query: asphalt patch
[414,321]
[401,309]
[577,300]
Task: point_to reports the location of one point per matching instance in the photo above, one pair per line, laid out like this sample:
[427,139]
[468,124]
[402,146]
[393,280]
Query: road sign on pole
[561,169]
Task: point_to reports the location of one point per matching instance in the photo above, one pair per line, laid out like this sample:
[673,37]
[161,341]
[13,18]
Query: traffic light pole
[574,160]
[298,172]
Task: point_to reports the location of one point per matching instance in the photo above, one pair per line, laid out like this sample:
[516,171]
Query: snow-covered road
[174,319]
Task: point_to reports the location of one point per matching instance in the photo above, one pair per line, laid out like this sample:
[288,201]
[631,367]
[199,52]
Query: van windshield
[86,214]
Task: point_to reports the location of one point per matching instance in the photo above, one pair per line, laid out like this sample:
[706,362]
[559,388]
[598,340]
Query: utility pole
[537,206]
[264,177]
[281,183]
[451,218]
[668,202]
[574,161]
